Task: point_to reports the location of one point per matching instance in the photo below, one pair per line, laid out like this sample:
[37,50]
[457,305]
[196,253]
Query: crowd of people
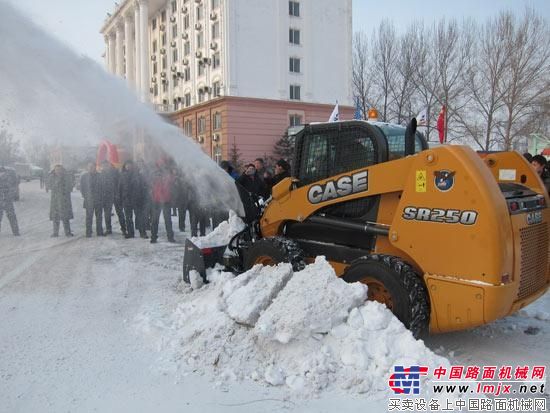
[138,194]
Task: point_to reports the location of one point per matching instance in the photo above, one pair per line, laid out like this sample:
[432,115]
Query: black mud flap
[197,259]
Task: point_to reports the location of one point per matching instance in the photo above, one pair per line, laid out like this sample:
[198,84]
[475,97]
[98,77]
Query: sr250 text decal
[444,216]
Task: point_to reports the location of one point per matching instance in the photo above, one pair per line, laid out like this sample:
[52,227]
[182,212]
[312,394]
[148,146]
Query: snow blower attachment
[445,239]
[199,259]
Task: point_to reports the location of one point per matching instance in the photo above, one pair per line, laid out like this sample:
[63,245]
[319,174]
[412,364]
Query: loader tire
[273,251]
[395,284]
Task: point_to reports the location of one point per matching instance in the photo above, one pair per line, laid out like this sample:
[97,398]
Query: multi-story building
[235,72]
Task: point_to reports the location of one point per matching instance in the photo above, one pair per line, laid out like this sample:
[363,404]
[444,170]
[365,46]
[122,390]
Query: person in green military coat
[61,208]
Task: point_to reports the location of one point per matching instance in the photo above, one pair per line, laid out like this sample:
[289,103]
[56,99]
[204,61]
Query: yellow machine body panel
[447,216]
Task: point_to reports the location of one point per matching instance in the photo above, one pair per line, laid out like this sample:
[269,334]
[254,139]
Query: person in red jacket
[162,188]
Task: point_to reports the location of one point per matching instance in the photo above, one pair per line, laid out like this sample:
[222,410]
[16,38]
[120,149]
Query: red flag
[441,125]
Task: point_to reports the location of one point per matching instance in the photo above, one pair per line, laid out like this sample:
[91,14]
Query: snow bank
[307,331]
[222,234]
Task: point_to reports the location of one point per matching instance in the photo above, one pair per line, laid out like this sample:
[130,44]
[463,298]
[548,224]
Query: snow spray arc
[51,94]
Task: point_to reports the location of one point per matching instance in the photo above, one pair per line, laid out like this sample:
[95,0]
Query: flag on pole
[441,125]
[335,115]
[422,117]
[357,115]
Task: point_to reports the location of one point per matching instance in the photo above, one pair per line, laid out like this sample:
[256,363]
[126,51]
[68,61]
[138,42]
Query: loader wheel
[272,251]
[394,283]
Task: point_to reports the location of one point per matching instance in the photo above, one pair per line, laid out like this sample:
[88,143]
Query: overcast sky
[77,22]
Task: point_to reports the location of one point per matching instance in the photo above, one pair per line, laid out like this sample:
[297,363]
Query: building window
[294,8]
[163,16]
[217,121]
[294,65]
[154,46]
[216,30]
[175,80]
[186,48]
[294,92]
[200,40]
[200,69]
[175,56]
[294,36]
[174,31]
[187,99]
[165,86]
[186,21]
[176,104]
[187,74]
[216,89]
[216,60]
[156,90]
[294,120]
[215,4]
[201,128]
[163,39]
[174,6]
[188,126]
[154,24]
[199,13]
[164,64]
[155,68]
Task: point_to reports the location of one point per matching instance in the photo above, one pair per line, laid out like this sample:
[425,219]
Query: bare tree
[360,76]
[9,148]
[525,81]
[384,55]
[402,87]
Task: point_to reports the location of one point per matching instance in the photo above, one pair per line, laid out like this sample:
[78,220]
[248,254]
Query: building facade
[197,56]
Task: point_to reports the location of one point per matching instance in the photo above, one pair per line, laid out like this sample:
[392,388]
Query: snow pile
[313,301]
[222,234]
[308,331]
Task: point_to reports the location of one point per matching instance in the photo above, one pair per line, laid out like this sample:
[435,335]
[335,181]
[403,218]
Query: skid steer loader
[443,238]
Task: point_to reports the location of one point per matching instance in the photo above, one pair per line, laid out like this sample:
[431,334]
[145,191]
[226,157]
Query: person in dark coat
[539,164]
[132,195]
[92,191]
[198,214]
[8,194]
[110,182]
[252,182]
[61,207]
[145,172]
[282,171]
[180,197]
[162,189]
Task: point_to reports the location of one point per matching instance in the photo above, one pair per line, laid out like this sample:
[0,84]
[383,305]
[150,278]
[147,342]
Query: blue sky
[77,22]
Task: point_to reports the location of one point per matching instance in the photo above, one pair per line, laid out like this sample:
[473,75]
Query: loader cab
[329,149]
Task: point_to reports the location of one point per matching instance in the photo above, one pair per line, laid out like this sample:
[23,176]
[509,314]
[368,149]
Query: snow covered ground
[101,324]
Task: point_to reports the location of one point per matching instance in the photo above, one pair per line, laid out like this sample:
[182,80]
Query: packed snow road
[73,335]
[67,335]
